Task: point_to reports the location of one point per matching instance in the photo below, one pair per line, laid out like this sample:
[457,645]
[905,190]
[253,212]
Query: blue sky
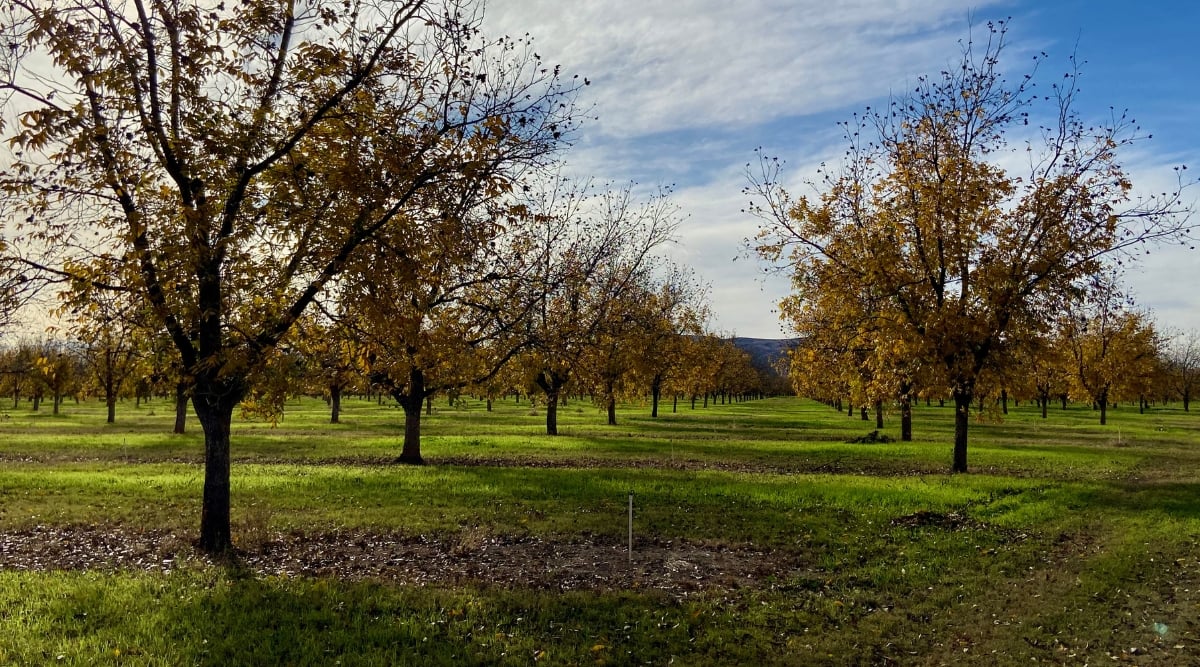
[685,91]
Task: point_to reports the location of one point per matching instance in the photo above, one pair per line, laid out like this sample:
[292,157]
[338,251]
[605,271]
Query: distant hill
[766,352]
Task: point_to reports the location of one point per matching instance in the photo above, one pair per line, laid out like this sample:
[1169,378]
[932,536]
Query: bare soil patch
[676,568]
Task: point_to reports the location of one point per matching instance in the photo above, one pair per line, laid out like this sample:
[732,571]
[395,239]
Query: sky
[684,91]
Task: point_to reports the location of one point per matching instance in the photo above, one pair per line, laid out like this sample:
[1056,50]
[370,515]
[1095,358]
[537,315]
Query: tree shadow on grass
[1177,500]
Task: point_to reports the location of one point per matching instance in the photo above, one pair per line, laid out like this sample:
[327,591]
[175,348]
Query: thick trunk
[411,402]
[1004,401]
[1187,397]
[1103,403]
[905,413]
[57,401]
[862,414]
[552,384]
[214,408]
[181,403]
[1045,404]
[552,412]
[335,403]
[110,402]
[878,414]
[962,419]
[411,451]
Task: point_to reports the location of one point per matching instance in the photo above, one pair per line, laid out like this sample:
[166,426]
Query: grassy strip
[1076,544]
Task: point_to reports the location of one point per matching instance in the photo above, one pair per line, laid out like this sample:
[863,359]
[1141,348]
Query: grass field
[761,536]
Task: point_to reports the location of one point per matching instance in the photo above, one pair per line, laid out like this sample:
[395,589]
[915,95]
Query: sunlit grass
[1070,542]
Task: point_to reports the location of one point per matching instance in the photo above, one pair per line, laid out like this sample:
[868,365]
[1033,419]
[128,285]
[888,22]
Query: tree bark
[1004,401]
[655,394]
[181,403]
[335,403]
[552,412]
[878,414]
[1103,404]
[411,400]
[962,419]
[214,408]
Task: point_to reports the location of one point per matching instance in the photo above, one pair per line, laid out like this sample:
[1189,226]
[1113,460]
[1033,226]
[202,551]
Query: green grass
[1069,543]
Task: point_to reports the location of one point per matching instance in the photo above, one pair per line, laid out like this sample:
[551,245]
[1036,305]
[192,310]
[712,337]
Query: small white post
[631,527]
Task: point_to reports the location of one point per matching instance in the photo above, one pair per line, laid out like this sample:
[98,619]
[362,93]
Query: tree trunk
[1103,404]
[962,419]
[489,405]
[552,412]
[1045,404]
[1187,396]
[57,401]
[181,403]
[1004,401]
[110,402]
[906,412]
[862,413]
[612,411]
[1063,398]
[214,408]
[655,393]
[335,403]
[411,401]
[850,410]
[675,403]
[878,414]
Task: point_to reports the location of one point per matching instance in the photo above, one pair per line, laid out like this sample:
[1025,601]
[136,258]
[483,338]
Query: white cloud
[658,66]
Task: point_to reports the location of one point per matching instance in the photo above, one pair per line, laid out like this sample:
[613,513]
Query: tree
[1183,365]
[1112,347]
[106,325]
[445,311]
[677,309]
[239,155]
[591,254]
[962,250]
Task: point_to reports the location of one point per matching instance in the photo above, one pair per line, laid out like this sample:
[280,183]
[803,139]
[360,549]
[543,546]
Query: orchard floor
[761,535]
